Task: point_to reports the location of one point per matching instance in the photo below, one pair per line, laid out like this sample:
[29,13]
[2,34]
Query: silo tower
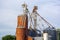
[22,24]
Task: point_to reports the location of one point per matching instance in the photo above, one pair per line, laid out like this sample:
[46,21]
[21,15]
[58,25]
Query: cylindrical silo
[22,26]
[45,36]
[52,33]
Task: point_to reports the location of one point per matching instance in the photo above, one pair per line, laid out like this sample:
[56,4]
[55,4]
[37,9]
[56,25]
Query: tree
[58,34]
[9,37]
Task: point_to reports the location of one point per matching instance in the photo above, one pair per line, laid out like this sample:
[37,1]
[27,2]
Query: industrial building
[32,33]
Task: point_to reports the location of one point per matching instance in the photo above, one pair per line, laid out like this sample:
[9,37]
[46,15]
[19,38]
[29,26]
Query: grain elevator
[27,25]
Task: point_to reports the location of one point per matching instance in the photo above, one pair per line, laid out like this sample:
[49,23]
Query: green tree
[58,34]
[9,37]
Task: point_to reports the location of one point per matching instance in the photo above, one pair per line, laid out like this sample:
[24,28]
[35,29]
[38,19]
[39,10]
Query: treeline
[9,37]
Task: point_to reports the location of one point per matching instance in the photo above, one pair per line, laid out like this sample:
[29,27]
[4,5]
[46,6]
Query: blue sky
[10,9]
